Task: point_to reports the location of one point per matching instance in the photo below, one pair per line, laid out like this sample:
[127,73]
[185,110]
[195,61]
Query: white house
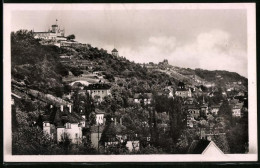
[99,116]
[99,91]
[215,109]
[64,124]
[182,92]
[146,98]
[236,110]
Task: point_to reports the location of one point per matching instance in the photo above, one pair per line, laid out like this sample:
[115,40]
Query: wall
[94,139]
[60,133]
[74,132]
[101,93]
[133,145]
[99,118]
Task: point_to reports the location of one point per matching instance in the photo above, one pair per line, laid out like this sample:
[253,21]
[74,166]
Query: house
[204,109]
[133,145]
[62,123]
[215,109]
[115,52]
[204,147]
[183,92]
[145,98]
[96,133]
[53,36]
[193,111]
[98,91]
[236,109]
[99,116]
[189,100]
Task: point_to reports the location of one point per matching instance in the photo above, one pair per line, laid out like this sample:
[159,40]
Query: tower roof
[114,50]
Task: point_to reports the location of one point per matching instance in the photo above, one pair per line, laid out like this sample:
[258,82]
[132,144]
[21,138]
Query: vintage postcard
[130,82]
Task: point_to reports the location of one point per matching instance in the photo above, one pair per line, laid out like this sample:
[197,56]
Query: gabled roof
[114,50]
[59,118]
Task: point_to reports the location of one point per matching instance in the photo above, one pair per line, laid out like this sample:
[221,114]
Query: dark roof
[59,118]
[215,106]
[114,50]
[98,86]
[192,106]
[181,84]
[198,146]
[97,111]
[144,95]
[182,89]
[204,105]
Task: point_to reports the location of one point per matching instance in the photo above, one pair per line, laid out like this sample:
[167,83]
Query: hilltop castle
[54,33]
[56,36]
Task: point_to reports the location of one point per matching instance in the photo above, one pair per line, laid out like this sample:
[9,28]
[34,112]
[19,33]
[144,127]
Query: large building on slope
[54,33]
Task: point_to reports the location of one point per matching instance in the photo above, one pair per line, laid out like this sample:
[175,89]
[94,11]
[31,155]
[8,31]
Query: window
[76,135]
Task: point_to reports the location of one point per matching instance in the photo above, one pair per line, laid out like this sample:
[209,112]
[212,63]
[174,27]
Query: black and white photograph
[122,82]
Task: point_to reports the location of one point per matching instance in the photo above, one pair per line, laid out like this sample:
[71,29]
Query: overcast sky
[208,39]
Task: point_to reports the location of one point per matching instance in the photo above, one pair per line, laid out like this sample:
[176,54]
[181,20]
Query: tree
[225,110]
[177,118]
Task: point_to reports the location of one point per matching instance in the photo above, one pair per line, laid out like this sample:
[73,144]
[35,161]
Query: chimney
[69,108]
[115,120]
[61,108]
[121,121]
[104,122]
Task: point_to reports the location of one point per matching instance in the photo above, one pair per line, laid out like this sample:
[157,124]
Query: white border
[251,22]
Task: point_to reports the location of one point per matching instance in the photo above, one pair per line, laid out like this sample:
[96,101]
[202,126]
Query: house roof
[59,118]
[98,86]
[144,95]
[114,50]
[215,106]
[192,106]
[204,105]
[198,146]
[98,111]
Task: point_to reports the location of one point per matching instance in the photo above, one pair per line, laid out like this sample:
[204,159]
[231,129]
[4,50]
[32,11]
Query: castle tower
[54,28]
[114,52]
